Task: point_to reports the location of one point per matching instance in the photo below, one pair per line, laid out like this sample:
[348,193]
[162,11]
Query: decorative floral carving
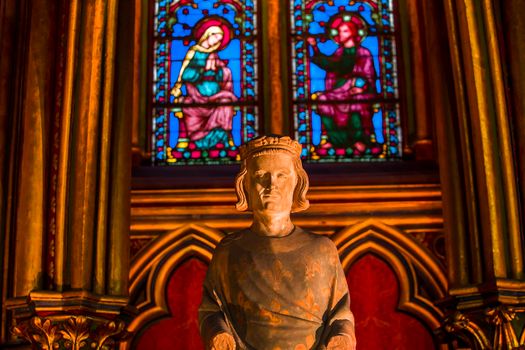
[500,314]
[40,331]
[111,329]
[504,334]
[73,332]
[475,328]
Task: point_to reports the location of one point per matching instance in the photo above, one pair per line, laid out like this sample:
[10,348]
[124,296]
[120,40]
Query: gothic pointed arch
[152,268]
[422,278]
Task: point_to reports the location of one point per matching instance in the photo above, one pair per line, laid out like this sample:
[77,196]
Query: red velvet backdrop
[181,330]
[373,286]
[374,290]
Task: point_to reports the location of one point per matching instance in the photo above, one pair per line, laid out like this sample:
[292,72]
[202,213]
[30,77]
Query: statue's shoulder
[323,243]
[232,237]
[315,237]
[227,246]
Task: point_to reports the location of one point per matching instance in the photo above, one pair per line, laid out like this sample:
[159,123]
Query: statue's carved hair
[300,202]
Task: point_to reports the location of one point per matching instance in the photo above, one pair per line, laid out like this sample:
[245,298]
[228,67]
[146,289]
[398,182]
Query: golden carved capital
[460,326]
[456,322]
[71,332]
[77,320]
[37,331]
[495,328]
[500,315]
[501,318]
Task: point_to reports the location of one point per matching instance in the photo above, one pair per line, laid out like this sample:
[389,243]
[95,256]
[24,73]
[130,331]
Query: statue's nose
[271,182]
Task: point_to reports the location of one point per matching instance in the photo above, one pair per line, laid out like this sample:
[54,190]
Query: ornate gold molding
[71,332]
[194,239]
[486,316]
[459,325]
[330,208]
[478,296]
[69,320]
[495,328]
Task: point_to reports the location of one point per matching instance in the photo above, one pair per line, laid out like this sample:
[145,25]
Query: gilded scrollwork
[70,332]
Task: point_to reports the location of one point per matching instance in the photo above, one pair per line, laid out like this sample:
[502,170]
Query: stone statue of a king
[274,285]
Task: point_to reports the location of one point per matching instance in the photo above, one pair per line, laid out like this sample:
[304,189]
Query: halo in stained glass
[204,80]
[345,87]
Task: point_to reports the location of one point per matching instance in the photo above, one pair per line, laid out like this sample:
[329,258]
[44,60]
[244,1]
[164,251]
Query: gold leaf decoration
[504,334]
[70,332]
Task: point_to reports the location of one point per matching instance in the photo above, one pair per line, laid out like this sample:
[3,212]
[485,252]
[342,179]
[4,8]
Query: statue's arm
[215,332]
[212,324]
[341,334]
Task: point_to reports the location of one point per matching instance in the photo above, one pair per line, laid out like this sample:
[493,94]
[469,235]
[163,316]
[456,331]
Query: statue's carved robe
[276,292]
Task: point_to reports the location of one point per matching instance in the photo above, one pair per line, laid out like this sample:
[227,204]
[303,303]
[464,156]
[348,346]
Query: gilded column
[120,179]
[416,50]
[71,226]
[454,167]
[485,248]
[26,116]
[513,26]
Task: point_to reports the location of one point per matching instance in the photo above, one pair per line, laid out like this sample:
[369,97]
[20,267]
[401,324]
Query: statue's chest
[293,277]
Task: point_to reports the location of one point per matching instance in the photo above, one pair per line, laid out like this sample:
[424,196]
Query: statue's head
[271,176]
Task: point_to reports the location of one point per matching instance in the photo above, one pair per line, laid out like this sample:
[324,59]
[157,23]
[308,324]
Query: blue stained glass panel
[204,80]
[345,88]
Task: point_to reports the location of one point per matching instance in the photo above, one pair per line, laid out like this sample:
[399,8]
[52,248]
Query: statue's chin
[275,208]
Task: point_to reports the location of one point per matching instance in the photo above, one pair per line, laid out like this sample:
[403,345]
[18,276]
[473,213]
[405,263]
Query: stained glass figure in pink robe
[207,113]
[346,104]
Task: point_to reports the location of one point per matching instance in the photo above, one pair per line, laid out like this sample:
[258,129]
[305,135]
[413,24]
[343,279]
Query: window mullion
[275,69]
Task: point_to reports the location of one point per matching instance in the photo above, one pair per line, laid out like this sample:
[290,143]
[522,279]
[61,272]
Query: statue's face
[271,183]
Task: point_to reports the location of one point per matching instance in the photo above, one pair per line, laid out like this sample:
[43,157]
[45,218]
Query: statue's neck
[274,225]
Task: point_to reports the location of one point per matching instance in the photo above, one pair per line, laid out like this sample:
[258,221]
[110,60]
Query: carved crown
[259,144]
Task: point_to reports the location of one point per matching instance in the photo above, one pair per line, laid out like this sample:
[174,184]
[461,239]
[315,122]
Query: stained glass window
[204,80]
[345,90]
